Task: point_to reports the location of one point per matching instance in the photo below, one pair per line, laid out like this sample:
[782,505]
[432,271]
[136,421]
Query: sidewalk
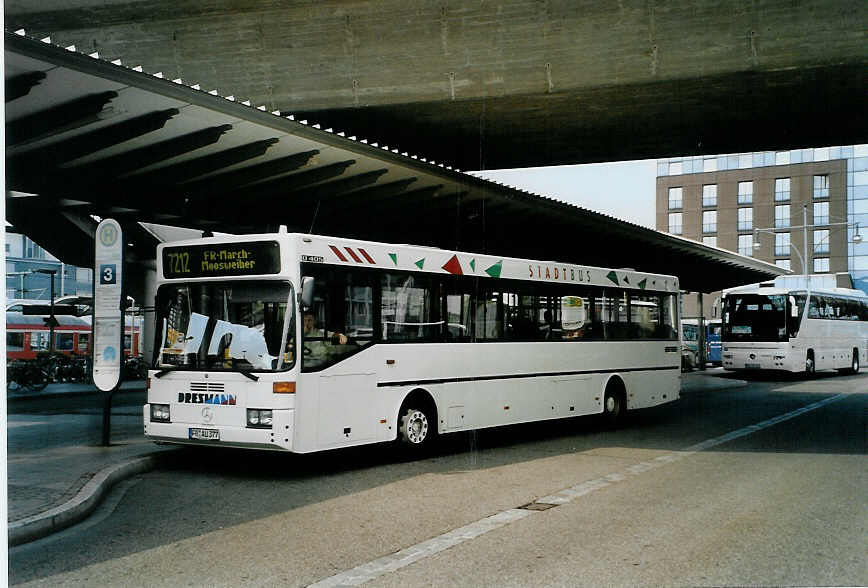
[58,471]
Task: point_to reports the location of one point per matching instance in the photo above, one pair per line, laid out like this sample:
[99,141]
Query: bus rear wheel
[416,429]
[854,364]
[614,405]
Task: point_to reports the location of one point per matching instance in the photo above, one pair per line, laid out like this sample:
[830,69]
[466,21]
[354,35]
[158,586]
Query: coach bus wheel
[613,403]
[416,429]
[854,367]
[810,366]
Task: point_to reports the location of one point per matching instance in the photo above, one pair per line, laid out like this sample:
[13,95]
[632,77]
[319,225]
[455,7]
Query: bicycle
[28,376]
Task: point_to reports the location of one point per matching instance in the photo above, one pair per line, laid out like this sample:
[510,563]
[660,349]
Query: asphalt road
[669,499]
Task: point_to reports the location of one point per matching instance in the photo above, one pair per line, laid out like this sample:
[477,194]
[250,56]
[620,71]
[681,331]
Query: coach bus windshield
[238,325]
[757,317]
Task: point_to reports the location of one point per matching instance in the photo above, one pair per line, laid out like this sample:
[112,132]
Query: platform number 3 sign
[108,273]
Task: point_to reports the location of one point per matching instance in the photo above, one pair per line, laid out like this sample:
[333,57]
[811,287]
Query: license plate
[205,434]
[752,366]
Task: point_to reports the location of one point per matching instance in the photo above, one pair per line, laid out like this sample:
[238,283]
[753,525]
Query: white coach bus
[304,343]
[766,327]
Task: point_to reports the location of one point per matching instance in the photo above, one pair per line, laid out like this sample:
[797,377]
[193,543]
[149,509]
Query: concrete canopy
[513,83]
[86,136]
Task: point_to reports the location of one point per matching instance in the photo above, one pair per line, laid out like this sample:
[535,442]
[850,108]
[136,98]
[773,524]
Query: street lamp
[857,238]
[52,322]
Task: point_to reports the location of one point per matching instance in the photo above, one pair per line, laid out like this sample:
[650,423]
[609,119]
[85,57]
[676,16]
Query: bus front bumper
[278,437]
[755,359]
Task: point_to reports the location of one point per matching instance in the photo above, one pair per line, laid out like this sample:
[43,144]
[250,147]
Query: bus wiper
[249,374]
[163,372]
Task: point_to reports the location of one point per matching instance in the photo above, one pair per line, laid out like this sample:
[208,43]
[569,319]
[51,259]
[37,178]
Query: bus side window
[457,311]
[667,317]
[814,308]
[617,321]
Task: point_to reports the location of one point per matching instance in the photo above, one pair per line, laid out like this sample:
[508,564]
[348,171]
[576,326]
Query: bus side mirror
[306,292]
[794,309]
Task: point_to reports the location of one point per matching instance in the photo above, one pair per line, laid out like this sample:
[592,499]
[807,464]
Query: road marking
[16,424]
[400,559]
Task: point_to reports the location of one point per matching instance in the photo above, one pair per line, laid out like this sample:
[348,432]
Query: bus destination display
[222,259]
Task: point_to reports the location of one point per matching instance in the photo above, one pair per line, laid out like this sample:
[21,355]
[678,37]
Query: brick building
[734,201]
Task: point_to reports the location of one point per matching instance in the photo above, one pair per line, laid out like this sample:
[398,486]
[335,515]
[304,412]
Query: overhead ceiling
[86,137]
[513,83]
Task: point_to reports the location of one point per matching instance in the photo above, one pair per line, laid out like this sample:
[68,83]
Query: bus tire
[854,363]
[417,422]
[614,402]
[810,364]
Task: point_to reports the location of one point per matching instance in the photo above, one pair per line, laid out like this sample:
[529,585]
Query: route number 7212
[179,263]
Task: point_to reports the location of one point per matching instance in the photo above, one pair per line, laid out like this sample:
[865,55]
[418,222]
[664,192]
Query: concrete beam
[491,85]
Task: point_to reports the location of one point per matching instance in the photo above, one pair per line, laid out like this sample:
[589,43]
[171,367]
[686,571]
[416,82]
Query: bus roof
[773,290]
[340,251]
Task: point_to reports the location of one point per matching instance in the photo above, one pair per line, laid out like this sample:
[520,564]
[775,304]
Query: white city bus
[304,343]
[766,327]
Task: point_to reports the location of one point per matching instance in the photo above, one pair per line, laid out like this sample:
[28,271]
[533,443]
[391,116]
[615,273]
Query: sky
[623,189]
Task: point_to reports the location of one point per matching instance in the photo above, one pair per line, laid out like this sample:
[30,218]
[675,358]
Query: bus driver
[317,341]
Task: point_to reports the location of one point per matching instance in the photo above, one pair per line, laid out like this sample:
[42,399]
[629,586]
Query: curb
[81,505]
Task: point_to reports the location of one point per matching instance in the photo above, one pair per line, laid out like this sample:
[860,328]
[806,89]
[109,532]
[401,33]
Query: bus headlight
[160,413]
[259,418]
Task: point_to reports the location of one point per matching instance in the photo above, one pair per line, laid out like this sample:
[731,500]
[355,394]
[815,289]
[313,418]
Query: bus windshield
[237,325]
[755,317]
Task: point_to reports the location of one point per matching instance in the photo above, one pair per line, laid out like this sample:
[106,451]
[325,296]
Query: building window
[784,263]
[32,250]
[745,245]
[821,186]
[675,168]
[782,244]
[745,192]
[709,221]
[675,223]
[782,216]
[782,158]
[745,160]
[709,195]
[821,264]
[782,189]
[821,154]
[745,219]
[710,241]
[821,241]
[709,164]
[676,199]
[821,213]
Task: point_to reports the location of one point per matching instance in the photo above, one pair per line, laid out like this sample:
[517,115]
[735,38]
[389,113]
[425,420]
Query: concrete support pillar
[703,357]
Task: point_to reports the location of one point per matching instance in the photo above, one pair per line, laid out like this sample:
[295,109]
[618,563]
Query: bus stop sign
[108,318]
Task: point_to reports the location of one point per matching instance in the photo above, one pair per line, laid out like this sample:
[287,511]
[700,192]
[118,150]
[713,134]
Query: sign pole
[108,315]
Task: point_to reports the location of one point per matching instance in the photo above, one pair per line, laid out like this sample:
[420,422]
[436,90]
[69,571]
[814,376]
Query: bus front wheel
[810,366]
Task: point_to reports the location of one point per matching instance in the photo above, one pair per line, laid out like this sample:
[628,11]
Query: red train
[27,335]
